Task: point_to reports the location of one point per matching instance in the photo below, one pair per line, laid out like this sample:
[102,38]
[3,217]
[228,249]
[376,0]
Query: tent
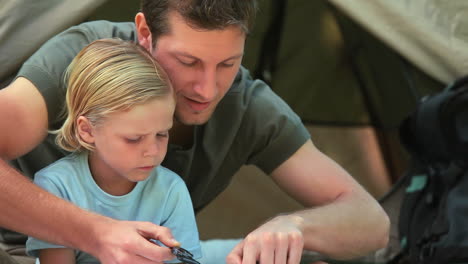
[351,69]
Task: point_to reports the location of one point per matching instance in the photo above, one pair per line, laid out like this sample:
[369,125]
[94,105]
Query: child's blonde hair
[107,76]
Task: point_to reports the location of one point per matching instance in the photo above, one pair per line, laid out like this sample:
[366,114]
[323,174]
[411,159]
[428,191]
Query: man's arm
[57,255]
[343,221]
[28,209]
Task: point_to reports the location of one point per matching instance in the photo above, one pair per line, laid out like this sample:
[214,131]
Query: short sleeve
[271,129]
[33,245]
[179,217]
[46,67]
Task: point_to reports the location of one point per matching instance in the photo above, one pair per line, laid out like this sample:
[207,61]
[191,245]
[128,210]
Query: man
[223,120]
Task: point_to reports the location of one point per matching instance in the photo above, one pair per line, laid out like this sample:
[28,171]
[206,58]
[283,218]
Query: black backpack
[433,221]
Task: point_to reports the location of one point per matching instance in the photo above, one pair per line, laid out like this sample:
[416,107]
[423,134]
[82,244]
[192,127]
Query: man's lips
[197,106]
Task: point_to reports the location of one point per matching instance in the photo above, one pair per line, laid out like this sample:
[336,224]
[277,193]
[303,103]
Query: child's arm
[57,256]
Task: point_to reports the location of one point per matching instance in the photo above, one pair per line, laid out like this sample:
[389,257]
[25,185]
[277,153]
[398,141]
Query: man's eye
[188,63]
[226,65]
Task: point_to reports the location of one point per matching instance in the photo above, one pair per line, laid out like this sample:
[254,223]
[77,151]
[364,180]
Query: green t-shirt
[251,124]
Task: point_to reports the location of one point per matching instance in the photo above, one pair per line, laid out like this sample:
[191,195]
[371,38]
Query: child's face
[129,144]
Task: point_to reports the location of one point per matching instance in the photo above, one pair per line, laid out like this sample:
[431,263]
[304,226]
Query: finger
[235,256]
[143,260]
[296,246]
[149,250]
[130,259]
[267,250]
[160,233]
[251,250]
[154,252]
[281,250]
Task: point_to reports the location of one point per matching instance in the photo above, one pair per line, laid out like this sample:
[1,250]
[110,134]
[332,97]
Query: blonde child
[120,108]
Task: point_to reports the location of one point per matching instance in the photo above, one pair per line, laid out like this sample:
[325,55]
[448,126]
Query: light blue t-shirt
[162,199]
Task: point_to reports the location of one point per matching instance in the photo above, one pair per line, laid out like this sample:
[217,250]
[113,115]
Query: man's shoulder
[105,29]
[244,88]
[249,95]
[46,67]
[252,108]
[242,82]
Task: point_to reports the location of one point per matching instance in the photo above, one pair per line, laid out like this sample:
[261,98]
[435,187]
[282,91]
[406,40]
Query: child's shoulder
[69,164]
[167,176]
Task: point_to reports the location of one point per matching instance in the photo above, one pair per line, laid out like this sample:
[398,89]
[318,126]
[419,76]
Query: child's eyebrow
[146,134]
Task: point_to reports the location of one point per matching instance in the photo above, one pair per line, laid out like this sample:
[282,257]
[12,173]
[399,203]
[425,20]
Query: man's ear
[143,32]
[85,129]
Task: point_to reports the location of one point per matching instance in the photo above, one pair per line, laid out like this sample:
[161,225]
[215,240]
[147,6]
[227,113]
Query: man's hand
[121,242]
[278,241]
[332,223]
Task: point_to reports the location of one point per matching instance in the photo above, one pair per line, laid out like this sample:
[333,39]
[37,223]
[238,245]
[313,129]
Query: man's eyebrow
[235,57]
[181,53]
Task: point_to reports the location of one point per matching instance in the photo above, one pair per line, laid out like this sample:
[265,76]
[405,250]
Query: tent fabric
[432,34]
[332,71]
[312,73]
[25,25]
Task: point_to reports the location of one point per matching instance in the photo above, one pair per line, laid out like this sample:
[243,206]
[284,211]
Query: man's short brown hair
[199,14]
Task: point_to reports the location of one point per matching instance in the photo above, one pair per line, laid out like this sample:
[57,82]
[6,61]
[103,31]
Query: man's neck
[181,135]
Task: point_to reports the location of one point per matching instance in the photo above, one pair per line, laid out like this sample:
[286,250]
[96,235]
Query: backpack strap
[450,175]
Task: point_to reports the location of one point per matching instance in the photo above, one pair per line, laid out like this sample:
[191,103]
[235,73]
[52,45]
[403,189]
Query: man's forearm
[351,226]
[28,209]
[345,228]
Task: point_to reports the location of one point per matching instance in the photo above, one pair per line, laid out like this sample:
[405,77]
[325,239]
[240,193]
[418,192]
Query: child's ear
[85,129]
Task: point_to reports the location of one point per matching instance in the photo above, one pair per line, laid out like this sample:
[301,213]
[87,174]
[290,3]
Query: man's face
[201,65]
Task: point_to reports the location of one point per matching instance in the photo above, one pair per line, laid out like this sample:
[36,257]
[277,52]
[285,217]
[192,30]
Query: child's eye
[165,134]
[133,140]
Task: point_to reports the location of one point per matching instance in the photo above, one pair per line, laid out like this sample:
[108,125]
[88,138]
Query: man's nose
[207,85]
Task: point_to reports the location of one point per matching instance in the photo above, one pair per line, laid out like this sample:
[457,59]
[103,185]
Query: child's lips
[147,167]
